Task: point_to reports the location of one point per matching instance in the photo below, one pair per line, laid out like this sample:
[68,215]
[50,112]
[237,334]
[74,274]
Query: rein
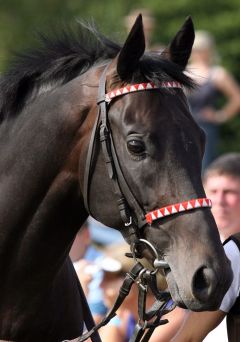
[133,215]
[148,319]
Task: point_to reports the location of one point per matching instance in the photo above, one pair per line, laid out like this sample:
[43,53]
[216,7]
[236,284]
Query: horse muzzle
[206,289]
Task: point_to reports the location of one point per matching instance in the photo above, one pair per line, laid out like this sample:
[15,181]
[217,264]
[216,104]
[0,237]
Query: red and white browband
[177,208]
[140,87]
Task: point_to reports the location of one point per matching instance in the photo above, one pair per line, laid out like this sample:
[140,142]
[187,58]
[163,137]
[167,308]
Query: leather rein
[134,218]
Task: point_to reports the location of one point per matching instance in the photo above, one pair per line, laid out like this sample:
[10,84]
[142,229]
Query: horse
[145,180]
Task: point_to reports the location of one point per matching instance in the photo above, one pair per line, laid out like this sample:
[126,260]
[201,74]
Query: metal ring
[151,246]
[142,272]
[132,247]
[157,263]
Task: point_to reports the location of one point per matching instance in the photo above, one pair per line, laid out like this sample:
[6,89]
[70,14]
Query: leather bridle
[132,213]
[133,216]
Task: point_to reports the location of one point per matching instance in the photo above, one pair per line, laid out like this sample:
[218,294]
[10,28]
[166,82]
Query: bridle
[132,214]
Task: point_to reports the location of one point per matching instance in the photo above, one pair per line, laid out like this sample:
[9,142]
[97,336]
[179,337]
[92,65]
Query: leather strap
[121,188]
[88,168]
[144,329]
[134,217]
[87,315]
[130,278]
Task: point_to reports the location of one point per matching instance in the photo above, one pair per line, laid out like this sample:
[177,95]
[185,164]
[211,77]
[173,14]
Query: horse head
[157,149]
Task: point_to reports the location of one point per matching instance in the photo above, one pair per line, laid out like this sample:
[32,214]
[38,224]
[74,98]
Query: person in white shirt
[222,186]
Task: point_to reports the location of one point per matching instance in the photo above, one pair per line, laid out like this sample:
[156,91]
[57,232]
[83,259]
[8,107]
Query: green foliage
[230,136]
[20,19]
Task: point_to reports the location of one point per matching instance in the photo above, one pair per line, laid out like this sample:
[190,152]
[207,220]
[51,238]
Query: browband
[139,87]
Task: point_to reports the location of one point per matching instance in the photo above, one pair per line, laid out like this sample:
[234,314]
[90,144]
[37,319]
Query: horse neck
[40,204]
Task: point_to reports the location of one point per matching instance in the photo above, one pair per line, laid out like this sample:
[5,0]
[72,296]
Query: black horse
[48,110]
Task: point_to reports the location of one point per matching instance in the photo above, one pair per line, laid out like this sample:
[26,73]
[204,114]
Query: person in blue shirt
[84,255]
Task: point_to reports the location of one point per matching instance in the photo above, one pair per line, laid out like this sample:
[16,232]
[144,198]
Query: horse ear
[180,47]
[132,50]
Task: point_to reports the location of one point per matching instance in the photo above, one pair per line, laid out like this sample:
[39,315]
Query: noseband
[133,215]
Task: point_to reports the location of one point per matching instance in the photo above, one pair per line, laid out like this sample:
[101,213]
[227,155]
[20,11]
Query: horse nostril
[204,283]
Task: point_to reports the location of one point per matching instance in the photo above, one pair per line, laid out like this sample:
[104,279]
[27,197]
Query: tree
[19,20]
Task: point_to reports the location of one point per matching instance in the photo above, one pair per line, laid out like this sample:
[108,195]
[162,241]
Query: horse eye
[136,146]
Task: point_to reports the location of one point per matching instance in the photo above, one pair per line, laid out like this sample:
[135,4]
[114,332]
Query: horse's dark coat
[48,108]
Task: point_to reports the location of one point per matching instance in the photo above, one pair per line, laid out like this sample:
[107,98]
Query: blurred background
[19,19]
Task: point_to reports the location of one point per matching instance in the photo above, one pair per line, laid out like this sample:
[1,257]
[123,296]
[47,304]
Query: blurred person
[114,266]
[84,255]
[121,327]
[222,185]
[148,23]
[103,235]
[213,81]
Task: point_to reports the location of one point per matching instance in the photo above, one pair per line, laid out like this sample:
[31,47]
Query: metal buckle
[128,223]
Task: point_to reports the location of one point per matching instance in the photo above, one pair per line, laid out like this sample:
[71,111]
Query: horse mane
[64,55]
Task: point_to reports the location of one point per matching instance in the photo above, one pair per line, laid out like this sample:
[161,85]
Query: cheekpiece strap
[177,208]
